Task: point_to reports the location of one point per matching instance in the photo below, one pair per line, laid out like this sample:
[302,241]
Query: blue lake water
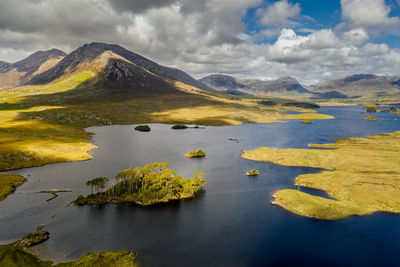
[231,224]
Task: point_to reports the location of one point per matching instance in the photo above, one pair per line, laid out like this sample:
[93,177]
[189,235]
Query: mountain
[20,72]
[221,82]
[118,65]
[281,86]
[360,85]
[4,66]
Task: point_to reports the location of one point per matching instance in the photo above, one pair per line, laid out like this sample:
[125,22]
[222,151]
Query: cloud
[356,37]
[371,15]
[138,6]
[279,13]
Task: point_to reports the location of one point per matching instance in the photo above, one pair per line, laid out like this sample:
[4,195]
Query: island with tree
[149,185]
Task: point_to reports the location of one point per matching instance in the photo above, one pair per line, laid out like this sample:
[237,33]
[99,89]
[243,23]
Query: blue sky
[319,15]
[310,40]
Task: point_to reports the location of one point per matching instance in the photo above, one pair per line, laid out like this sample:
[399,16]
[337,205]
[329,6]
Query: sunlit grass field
[363,176]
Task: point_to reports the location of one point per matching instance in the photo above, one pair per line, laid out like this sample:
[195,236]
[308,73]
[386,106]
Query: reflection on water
[231,224]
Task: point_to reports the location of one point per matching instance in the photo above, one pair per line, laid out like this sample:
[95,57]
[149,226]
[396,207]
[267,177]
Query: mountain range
[116,68]
[357,85]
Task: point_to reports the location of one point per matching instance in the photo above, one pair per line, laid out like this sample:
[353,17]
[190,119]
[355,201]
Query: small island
[371,118]
[370,108]
[253,172]
[143,128]
[149,185]
[179,127]
[18,254]
[307,121]
[196,154]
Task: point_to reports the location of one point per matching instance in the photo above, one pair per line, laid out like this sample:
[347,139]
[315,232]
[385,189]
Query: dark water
[232,224]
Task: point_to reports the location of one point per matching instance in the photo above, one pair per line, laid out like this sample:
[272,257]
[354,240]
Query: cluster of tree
[148,185]
[98,184]
[370,109]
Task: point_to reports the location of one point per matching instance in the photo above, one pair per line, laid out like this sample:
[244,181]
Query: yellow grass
[8,184]
[364,176]
[44,124]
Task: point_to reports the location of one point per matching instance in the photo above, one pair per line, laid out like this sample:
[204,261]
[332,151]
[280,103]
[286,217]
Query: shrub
[179,127]
[143,128]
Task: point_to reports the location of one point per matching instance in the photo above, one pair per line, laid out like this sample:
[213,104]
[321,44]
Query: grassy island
[17,254]
[151,184]
[9,183]
[253,172]
[307,121]
[179,127]
[196,154]
[363,175]
[371,118]
[143,128]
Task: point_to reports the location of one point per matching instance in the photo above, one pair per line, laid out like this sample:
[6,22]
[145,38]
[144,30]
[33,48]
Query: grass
[371,118]
[45,123]
[253,172]
[16,256]
[307,121]
[196,154]
[117,259]
[9,183]
[362,175]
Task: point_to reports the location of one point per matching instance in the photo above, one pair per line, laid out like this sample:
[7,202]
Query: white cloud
[372,15]
[279,13]
[356,37]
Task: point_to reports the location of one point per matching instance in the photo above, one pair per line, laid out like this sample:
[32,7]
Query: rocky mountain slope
[118,65]
[22,71]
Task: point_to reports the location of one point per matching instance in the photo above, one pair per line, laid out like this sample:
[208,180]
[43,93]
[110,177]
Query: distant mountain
[360,85]
[221,82]
[20,72]
[119,66]
[281,86]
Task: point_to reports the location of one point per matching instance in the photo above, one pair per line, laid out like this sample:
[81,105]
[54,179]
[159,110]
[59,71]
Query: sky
[310,40]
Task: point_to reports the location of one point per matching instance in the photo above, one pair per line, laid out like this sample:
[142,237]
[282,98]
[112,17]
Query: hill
[21,72]
[284,86]
[360,85]
[119,66]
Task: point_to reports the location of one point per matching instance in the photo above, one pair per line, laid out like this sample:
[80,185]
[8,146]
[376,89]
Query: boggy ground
[45,123]
[363,176]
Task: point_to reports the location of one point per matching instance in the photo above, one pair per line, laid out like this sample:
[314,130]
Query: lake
[231,224]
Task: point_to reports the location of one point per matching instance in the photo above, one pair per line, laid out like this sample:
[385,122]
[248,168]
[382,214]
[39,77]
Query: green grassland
[363,176]
[16,256]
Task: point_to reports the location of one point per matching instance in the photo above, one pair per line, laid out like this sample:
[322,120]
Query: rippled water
[231,224]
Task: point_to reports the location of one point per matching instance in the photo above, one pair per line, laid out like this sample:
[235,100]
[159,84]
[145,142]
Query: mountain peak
[86,54]
[32,63]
